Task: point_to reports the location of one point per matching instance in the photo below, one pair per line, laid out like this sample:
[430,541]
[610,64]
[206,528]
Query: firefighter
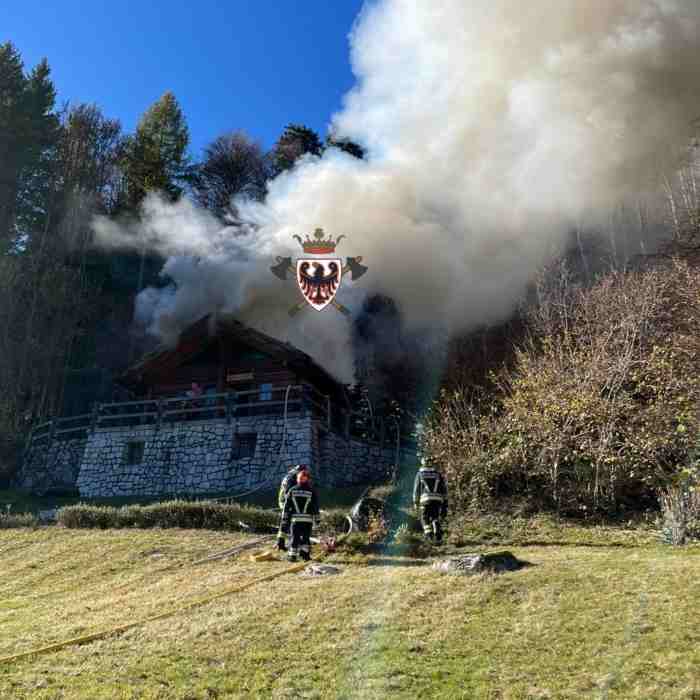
[299,515]
[289,480]
[430,498]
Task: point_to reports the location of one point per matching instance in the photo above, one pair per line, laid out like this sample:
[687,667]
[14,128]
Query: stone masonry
[205,457]
[53,465]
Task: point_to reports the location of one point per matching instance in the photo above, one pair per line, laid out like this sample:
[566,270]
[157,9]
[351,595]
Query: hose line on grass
[152,618]
[189,606]
[161,616]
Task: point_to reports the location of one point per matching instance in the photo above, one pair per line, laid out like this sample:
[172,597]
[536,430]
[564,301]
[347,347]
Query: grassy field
[593,621]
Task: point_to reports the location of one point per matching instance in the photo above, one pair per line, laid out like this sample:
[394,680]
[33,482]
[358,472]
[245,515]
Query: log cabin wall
[237,359]
[223,366]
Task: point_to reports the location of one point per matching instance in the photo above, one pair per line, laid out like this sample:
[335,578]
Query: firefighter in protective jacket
[430,498]
[300,514]
[289,480]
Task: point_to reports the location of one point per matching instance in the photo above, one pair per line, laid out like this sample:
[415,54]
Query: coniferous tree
[345,145]
[28,132]
[154,158]
[296,140]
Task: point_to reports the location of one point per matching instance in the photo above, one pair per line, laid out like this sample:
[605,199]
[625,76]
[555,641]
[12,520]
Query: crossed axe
[284,266]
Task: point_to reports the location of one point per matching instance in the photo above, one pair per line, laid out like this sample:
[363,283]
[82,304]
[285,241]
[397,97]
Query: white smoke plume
[493,128]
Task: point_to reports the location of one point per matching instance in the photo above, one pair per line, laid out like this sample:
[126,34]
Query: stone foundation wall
[54,465]
[191,458]
[350,462]
[203,457]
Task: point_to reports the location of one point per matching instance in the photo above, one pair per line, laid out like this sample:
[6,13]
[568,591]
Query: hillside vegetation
[598,408]
[580,622]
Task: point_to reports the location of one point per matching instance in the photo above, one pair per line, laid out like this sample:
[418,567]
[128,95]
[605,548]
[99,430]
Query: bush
[182,514]
[599,408]
[188,514]
[10,520]
[334,521]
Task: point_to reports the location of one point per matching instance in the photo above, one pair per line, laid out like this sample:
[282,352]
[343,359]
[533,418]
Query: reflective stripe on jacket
[301,505]
[429,486]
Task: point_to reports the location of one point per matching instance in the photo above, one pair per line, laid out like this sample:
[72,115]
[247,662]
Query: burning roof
[209,329]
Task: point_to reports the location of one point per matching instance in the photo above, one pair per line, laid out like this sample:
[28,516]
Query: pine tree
[28,131]
[345,145]
[296,140]
[155,156]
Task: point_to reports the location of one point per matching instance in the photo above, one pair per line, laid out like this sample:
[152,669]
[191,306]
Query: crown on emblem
[317,245]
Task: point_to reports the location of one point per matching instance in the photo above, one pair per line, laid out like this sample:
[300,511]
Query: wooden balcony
[292,400]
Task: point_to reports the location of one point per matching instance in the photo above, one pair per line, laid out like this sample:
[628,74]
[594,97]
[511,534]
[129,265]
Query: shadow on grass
[552,543]
[397,561]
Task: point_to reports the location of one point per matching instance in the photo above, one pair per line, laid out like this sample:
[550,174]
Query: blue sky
[236,64]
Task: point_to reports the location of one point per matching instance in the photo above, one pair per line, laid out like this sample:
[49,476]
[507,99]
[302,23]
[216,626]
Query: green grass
[581,622]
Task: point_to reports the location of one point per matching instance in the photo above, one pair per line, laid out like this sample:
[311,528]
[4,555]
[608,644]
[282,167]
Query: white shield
[319,280]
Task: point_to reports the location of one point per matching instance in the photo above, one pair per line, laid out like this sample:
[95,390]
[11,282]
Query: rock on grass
[478,563]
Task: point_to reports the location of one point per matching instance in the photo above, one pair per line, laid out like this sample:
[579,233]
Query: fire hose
[84,639]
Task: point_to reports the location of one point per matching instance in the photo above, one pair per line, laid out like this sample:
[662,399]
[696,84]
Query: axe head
[282,267]
[355,268]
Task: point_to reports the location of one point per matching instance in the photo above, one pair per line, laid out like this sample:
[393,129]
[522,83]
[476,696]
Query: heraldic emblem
[318,278]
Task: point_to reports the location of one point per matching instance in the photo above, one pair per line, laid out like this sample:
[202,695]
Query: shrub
[182,514]
[599,407]
[334,521]
[11,520]
[189,514]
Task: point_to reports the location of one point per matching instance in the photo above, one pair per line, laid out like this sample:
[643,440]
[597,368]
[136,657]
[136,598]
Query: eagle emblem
[319,279]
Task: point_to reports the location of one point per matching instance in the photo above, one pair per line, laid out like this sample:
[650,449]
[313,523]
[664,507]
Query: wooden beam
[222,365]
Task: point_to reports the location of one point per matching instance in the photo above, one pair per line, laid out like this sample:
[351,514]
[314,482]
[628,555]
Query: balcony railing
[292,400]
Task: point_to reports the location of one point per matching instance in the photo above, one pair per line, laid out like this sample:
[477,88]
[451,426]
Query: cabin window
[266,392]
[133,453]
[243,445]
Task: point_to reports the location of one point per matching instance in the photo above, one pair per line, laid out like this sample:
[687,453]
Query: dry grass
[582,622]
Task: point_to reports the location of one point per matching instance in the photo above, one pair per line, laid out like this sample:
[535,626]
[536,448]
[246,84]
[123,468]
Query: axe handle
[347,268]
[341,308]
[296,308]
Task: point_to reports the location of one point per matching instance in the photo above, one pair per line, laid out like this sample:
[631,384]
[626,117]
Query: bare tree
[233,165]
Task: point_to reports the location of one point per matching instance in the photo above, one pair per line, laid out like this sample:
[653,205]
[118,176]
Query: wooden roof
[207,330]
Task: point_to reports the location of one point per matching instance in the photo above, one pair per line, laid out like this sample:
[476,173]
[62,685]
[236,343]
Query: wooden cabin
[222,355]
